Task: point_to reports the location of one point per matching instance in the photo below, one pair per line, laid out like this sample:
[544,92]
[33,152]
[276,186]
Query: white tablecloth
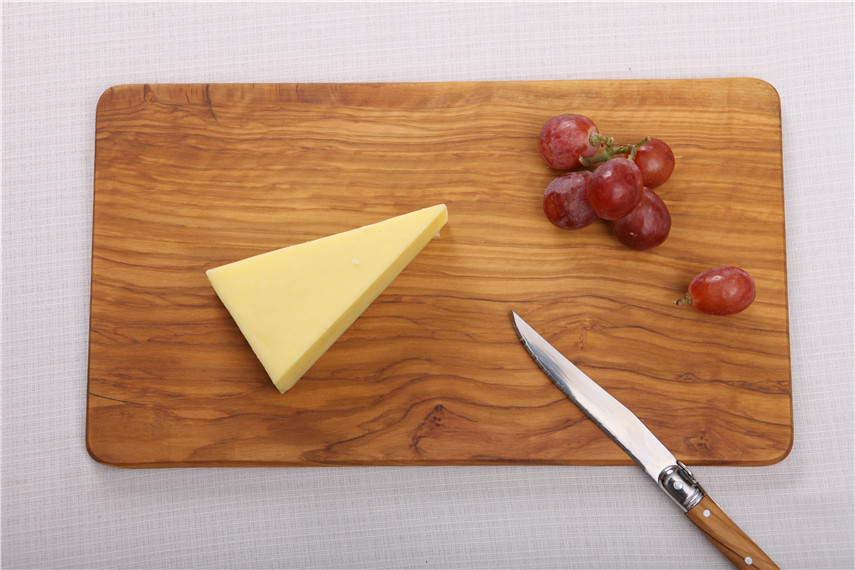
[61,509]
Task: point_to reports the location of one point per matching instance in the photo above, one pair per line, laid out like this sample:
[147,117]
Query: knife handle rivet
[678,485]
[707,513]
[748,560]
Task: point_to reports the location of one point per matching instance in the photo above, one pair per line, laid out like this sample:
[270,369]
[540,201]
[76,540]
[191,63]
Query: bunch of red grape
[611,182]
[616,183]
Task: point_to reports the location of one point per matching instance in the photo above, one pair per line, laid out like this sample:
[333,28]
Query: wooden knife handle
[728,537]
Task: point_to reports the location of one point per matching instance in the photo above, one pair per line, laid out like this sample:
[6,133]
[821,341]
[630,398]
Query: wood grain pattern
[726,535]
[189,177]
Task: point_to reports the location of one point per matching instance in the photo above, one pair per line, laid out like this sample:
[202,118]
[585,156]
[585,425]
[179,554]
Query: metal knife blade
[610,415]
[638,441]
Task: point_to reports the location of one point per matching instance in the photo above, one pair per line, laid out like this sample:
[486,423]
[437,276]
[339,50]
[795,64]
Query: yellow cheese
[292,304]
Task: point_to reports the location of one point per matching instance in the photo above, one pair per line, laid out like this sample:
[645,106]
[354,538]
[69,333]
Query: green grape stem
[609,150]
[685,300]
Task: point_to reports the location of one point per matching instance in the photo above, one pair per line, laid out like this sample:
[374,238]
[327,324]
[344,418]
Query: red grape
[615,188]
[647,225]
[565,201]
[723,290]
[656,162]
[565,139]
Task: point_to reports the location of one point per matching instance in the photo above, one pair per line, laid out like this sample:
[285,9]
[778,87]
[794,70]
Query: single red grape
[565,201]
[723,290]
[615,188]
[656,162]
[565,139]
[647,225]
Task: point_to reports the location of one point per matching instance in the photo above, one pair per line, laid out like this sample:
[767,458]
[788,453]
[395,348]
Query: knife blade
[630,433]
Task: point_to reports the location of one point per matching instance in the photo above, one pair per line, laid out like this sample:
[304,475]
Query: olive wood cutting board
[189,177]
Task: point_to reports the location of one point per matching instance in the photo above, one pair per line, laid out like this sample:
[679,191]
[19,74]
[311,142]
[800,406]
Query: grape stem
[685,300]
[609,150]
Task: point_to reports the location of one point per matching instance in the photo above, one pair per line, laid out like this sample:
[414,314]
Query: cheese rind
[293,303]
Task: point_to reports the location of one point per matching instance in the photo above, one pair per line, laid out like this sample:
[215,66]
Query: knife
[638,442]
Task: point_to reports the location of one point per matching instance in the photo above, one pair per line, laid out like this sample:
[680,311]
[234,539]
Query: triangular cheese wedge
[292,304]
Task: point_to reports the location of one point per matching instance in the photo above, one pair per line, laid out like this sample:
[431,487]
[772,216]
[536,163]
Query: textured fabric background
[62,510]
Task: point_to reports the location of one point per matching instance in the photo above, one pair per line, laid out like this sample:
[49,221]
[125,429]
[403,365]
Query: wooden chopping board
[189,177]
